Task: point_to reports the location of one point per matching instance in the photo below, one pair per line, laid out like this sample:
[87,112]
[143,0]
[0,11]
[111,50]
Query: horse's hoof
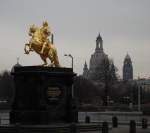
[44,65]
[26,53]
[51,65]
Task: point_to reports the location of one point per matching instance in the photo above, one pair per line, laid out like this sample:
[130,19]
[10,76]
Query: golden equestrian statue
[41,44]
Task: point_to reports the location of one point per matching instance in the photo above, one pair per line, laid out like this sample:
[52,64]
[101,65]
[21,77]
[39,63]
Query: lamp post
[69,55]
[139,98]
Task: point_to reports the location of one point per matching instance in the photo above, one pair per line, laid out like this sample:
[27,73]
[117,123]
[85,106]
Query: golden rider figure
[45,32]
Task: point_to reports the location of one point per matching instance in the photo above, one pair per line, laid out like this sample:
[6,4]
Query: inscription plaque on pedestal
[54,94]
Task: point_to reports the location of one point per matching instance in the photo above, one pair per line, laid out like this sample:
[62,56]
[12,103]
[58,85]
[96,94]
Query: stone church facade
[95,61]
[95,64]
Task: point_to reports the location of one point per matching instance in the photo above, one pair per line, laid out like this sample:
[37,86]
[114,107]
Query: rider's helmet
[45,24]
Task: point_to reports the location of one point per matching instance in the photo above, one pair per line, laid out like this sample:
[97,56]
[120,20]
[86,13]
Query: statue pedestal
[43,95]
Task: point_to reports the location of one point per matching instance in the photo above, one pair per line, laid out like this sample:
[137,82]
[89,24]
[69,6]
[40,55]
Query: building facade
[95,61]
[144,84]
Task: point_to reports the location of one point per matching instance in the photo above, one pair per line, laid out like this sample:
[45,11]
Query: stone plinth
[43,95]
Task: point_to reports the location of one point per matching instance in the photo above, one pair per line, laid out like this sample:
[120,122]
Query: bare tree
[6,85]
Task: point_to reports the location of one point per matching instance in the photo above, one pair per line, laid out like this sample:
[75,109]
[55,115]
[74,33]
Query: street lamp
[69,55]
[139,98]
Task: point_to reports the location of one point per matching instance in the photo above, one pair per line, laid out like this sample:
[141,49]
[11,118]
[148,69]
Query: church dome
[97,58]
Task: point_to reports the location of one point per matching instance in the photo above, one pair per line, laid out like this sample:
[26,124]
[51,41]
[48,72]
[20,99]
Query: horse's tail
[56,59]
[25,48]
[54,56]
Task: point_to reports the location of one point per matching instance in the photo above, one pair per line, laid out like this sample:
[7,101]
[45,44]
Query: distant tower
[127,68]
[16,65]
[85,70]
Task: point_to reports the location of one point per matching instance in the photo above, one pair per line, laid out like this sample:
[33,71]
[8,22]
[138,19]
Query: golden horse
[36,44]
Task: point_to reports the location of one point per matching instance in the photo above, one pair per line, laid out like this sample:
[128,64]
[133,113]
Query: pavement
[123,129]
[126,130]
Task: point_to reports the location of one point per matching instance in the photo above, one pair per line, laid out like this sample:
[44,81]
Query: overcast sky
[124,26]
